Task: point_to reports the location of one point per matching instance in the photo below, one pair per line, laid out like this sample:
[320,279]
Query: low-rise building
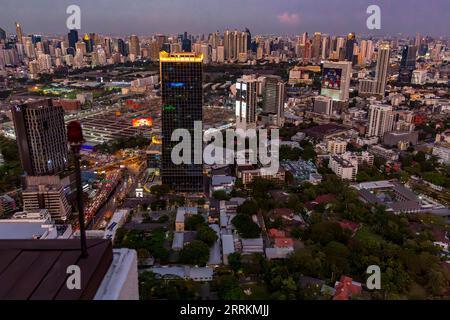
[250,246]
[182,214]
[222,182]
[200,274]
[344,169]
[336,146]
[36,224]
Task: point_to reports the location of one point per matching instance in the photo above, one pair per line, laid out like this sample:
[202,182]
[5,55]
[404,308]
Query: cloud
[291,19]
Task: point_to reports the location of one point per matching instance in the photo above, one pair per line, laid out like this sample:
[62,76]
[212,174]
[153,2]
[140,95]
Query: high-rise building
[72,37]
[340,48]
[215,40]
[80,46]
[273,97]
[89,43]
[336,80]
[2,34]
[304,38]
[135,48]
[323,104]
[407,63]
[316,45]
[381,120]
[325,47]
[41,137]
[19,32]
[246,93]
[381,72]
[182,101]
[46,192]
[350,46]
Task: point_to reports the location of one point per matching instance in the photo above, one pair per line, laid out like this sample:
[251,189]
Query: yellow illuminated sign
[180,57]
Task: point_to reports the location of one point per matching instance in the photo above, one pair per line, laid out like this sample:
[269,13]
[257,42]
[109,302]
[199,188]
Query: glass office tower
[182,100]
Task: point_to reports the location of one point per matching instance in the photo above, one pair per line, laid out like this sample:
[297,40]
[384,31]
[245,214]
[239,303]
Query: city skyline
[194,16]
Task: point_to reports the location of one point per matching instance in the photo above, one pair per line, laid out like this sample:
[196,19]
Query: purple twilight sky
[143,17]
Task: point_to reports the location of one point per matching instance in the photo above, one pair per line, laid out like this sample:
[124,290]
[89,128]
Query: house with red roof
[349,225]
[275,233]
[284,243]
[345,288]
[324,198]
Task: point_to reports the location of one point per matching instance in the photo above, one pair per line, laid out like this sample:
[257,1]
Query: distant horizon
[280,17]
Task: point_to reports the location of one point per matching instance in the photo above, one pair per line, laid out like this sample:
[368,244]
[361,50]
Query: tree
[249,207]
[420,157]
[245,226]
[325,232]
[234,260]
[152,287]
[193,222]
[207,235]
[220,195]
[436,281]
[143,255]
[160,190]
[196,252]
[229,288]
[288,153]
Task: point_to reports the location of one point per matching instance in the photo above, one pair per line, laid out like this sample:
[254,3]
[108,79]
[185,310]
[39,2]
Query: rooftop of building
[37,270]
[325,129]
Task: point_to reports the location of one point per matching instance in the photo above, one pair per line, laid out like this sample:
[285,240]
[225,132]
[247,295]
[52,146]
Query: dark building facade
[349,46]
[72,36]
[407,64]
[41,137]
[182,100]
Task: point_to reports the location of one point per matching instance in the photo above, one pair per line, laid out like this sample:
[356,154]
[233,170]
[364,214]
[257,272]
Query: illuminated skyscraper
[350,46]
[336,78]
[89,44]
[182,101]
[19,32]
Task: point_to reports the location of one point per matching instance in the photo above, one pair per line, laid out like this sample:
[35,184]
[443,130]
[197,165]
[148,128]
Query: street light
[75,139]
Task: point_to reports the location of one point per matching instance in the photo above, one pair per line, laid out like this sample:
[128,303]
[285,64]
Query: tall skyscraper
[407,64]
[316,45]
[382,69]
[2,34]
[182,101]
[41,137]
[273,97]
[325,47]
[246,92]
[19,32]
[134,45]
[381,120]
[336,78]
[89,43]
[72,37]
[350,46]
